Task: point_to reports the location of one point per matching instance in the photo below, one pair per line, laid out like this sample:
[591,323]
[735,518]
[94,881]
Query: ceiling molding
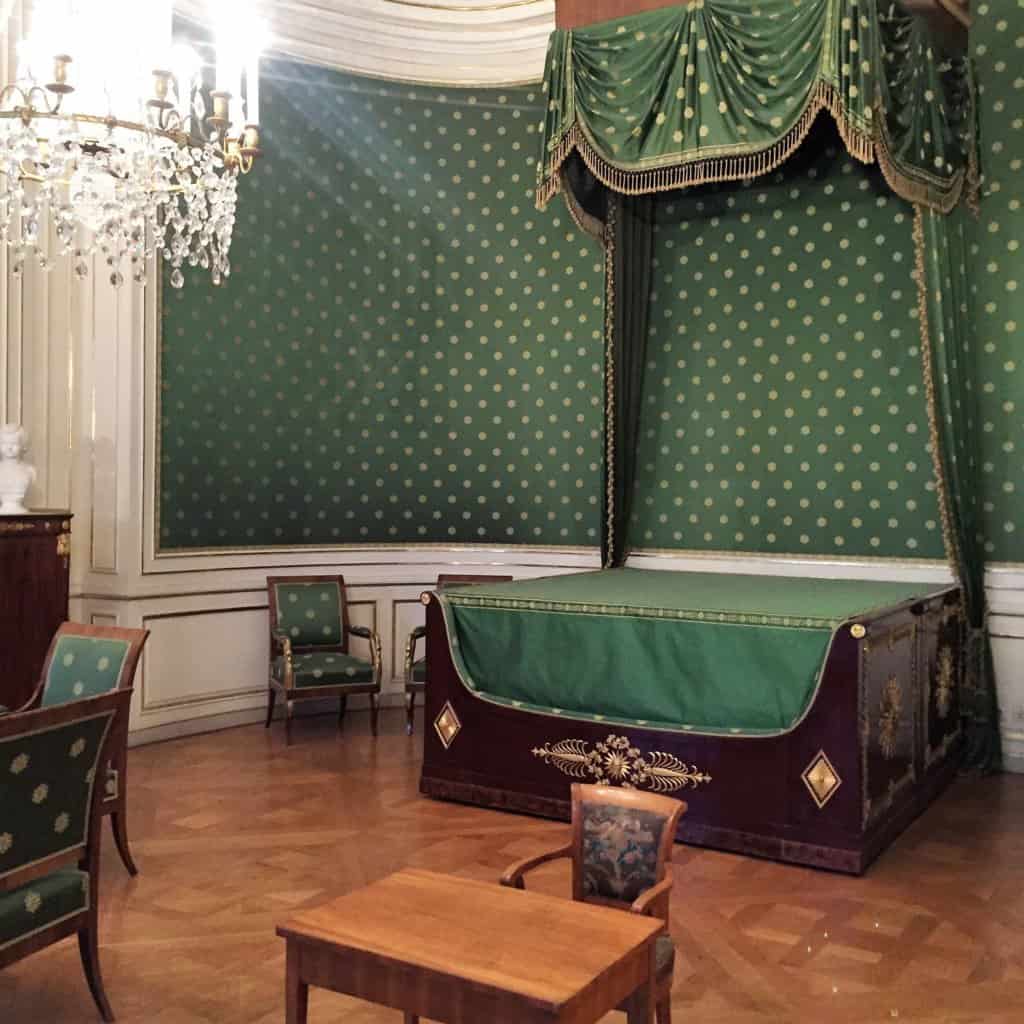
[461,43]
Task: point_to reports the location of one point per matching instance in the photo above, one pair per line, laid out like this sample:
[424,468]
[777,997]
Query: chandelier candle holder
[135,158]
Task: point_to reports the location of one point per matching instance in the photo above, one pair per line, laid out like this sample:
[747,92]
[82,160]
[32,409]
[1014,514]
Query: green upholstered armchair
[620,848]
[416,669]
[309,655]
[85,661]
[51,784]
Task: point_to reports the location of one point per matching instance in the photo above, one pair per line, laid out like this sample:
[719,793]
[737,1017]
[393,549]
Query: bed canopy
[720,91]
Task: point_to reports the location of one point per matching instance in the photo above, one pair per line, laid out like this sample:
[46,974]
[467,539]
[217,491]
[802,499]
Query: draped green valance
[719,90]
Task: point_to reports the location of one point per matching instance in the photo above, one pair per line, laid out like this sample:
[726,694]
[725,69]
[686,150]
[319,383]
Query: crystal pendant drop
[177,278]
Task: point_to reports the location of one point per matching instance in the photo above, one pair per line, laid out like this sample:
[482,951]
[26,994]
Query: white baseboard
[389,702]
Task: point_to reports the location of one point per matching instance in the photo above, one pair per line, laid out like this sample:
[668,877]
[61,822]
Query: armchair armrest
[654,902]
[281,641]
[376,651]
[410,650]
[513,876]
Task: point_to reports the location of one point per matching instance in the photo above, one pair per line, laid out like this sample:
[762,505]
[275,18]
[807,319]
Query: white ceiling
[459,42]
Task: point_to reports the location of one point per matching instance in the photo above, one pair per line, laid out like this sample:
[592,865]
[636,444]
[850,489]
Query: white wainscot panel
[200,663]
[1008,654]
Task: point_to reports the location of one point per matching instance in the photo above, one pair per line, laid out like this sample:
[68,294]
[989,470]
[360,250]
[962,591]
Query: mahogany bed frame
[880,741]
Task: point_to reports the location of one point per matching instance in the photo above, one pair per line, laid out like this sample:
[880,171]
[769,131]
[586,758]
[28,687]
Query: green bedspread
[708,652]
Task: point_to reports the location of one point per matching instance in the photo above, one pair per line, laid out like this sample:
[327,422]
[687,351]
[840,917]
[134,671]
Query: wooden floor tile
[233,831]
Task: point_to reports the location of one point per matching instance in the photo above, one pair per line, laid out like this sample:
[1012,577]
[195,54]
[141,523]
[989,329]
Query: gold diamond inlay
[821,779]
[447,725]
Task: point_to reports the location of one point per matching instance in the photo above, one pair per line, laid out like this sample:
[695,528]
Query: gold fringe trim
[588,224]
[706,171]
[863,147]
[610,227]
[928,372]
[973,184]
[932,192]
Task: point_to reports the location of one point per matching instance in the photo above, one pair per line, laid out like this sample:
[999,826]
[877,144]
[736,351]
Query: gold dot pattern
[783,402]
[407,350]
[997,268]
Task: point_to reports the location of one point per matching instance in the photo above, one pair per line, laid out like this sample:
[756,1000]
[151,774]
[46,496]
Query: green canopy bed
[804,720]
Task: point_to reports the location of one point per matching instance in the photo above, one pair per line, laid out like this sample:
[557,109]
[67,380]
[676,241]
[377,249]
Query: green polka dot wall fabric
[997,272]
[784,410]
[406,350]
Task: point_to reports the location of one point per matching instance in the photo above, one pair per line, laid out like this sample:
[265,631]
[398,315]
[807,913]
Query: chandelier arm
[176,135]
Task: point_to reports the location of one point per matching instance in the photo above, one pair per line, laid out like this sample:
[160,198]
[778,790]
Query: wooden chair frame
[113,801]
[281,645]
[413,686]
[86,855]
[653,902]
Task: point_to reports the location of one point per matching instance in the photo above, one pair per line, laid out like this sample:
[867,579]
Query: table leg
[296,990]
[640,1008]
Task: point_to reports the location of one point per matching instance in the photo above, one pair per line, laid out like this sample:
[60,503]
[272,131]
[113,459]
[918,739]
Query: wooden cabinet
[35,551]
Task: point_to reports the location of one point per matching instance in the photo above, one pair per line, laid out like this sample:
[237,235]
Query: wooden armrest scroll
[513,876]
[654,901]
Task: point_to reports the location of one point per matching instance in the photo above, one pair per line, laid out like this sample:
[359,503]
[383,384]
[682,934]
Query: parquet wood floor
[232,831]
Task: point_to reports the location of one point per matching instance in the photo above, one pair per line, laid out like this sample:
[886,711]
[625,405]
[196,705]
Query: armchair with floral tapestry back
[620,848]
[309,653]
[416,669]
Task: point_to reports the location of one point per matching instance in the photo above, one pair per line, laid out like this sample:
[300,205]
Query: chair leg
[410,711]
[89,950]
[271,699]
[288,723]
[663,1011]
[119,826]
[342,705]
[374,710]
[411,1018]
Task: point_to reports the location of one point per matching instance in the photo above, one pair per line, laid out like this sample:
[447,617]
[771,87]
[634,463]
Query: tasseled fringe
[915,191]
[928,372]
[862,146]
[610,229]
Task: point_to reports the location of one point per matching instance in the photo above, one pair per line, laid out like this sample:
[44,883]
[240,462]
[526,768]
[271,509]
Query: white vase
[16,476]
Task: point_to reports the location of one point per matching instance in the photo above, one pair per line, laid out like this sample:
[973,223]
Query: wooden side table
[457,950]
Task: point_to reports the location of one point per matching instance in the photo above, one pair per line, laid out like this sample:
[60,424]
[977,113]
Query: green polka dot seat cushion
[83,666]
[33,907]
[325,668]
[309,614]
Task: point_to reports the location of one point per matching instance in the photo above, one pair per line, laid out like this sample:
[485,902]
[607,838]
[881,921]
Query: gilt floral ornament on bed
[616,762]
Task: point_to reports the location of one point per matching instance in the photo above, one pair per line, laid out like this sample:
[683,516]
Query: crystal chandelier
[112,142]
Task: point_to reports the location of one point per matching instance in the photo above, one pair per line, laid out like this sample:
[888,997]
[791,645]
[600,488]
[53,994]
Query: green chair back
[310,613]
[83,666]
[48,768]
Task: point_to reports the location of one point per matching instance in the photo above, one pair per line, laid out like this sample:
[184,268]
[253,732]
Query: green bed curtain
[719,90]
[948,360]
[628,239]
